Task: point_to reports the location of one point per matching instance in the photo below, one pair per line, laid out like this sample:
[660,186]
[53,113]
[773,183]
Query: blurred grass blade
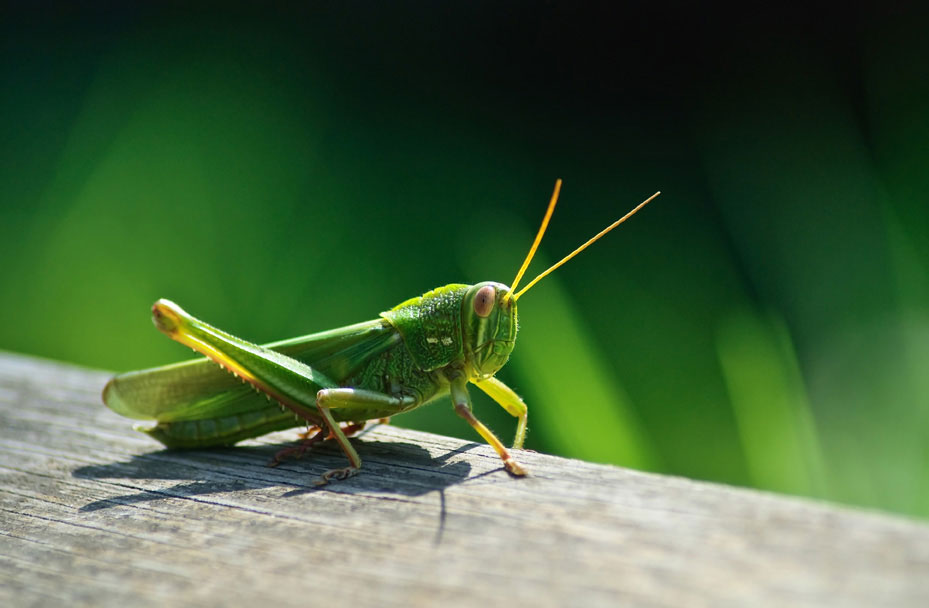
[574,393]
[770,405]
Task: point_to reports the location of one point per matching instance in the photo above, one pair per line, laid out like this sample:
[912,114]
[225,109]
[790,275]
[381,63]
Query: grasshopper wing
[200,390]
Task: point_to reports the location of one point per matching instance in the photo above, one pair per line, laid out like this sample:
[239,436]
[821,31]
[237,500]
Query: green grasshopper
[414,353]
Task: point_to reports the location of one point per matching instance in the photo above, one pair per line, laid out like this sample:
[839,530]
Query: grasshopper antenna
[535,244]
[551,207]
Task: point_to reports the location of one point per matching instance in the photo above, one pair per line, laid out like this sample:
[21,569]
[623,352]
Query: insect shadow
[390,468]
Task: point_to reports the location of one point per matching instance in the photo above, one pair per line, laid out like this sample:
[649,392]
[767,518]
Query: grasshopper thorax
[473,326]
[488,326]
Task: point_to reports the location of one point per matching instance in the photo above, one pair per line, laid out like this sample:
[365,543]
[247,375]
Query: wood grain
[93,513]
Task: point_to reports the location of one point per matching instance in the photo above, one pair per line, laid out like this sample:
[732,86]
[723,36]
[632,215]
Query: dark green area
[765,322]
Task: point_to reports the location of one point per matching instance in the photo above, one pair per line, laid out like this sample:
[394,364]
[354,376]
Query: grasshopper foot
[514,468]
[337,474]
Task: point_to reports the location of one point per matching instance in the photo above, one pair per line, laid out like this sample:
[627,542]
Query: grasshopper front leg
[511,402]
[462,404]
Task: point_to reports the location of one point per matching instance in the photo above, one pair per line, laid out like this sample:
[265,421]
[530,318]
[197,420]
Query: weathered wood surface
[92,513]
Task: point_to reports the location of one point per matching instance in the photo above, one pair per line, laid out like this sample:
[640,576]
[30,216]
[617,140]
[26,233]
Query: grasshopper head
[489,327]
[489,309]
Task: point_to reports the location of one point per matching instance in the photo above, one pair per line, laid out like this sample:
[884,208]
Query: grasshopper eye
[484,301]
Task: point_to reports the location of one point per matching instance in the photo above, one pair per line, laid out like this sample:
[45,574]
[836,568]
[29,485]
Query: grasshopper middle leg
[345,400]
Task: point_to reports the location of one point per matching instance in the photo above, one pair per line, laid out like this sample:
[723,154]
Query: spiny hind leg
[347,400]
[349,428]
[310,437]
[311,430]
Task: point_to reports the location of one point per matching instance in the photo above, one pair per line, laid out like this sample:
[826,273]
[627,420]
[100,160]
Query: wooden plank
[92,513]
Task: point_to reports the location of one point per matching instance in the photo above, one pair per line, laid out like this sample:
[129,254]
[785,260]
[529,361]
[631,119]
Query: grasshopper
[420,350]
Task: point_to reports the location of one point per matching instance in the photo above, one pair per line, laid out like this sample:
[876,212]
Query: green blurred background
[283,171]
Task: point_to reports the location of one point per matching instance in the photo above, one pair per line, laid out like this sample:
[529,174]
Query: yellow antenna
[538,238]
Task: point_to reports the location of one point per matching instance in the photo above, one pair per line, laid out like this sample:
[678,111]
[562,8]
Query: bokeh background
[280,171]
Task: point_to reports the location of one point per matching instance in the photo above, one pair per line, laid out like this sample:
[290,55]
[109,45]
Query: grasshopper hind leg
[298,387]
[313,435]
